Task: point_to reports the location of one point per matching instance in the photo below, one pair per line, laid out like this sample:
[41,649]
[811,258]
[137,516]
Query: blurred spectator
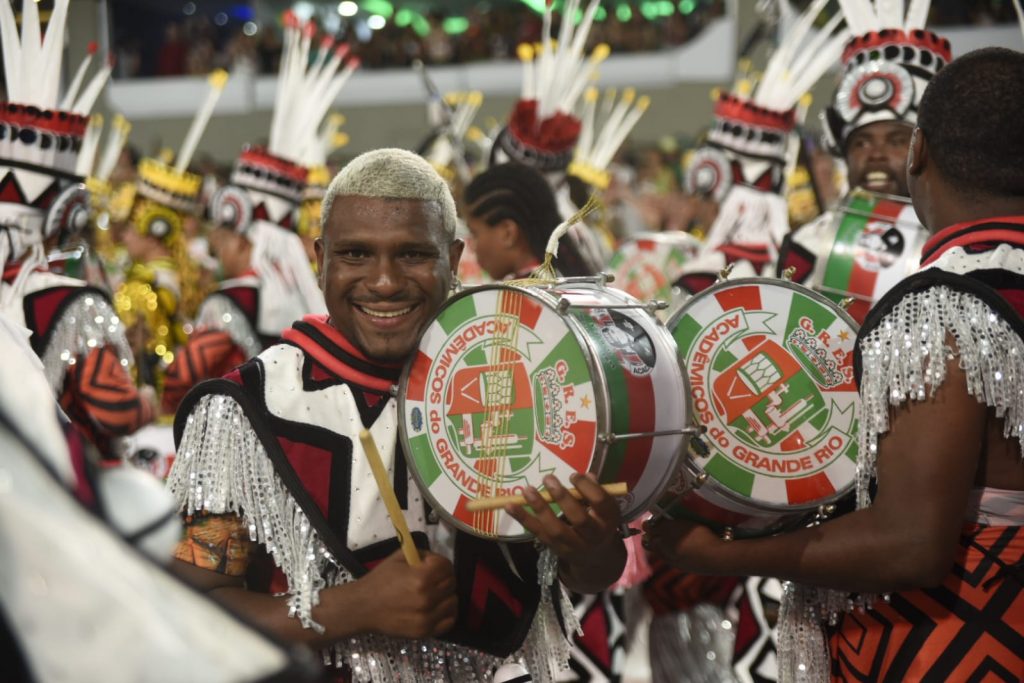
[171,57]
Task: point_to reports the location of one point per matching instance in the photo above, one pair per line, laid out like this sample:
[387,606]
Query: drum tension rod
[610,438]
[599,279]
[650,307]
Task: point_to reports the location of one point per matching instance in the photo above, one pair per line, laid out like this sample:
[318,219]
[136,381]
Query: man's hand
[587,540]
[409,602]
[685,545]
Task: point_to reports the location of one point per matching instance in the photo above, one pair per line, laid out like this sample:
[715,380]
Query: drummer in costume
[743,165]
[873,239]
[941,487]
[270,281]
[159,294]
[75,330]
[270,452]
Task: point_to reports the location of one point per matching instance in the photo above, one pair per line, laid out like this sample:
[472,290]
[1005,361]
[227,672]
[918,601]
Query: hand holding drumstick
[586,539]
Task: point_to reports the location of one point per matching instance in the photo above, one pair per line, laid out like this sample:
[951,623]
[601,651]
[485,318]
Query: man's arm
[394,599]
[590,550]
[907,539]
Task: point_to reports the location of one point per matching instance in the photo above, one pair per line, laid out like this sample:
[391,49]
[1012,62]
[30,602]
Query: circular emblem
[646,266]
[873,86]
[770,365]
[709,173]
[878,247]
[231,207]
[499,395]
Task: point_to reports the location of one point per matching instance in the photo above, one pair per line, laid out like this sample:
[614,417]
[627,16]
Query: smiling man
[285,523]
[873,238]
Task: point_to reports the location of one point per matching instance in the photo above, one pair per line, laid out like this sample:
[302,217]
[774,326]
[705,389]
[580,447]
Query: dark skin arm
[587,541]
[393,599]
[907,539]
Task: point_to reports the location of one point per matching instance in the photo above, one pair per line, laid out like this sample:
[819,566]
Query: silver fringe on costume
[88,323]
[219,312]
[905,357]
[222,467]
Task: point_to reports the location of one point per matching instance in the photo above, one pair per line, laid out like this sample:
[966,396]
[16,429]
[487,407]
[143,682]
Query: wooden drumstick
[387,494]
[619,488]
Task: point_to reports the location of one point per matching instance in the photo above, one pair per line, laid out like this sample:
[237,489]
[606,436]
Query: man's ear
[509,231]
[455,254]
[318,247]
[917,155]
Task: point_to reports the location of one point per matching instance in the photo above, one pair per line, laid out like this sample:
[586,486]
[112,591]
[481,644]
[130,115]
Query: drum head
[499,395]
[770,365]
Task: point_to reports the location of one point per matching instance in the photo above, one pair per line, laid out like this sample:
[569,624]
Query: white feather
[917,14]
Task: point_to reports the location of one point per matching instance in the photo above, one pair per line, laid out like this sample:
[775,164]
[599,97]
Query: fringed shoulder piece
[902,354]
[222,467]
[904,347]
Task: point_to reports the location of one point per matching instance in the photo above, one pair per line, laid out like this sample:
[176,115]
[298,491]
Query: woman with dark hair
[511,212]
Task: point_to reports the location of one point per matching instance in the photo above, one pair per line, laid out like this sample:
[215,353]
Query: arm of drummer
[393,599]
[926,465]
[587,542]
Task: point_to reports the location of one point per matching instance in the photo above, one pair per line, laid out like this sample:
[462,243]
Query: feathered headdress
[886,66]
[743,164]
[543,130]
[603,132]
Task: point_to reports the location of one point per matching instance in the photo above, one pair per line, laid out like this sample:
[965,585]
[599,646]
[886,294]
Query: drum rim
[601,402]
[787,284]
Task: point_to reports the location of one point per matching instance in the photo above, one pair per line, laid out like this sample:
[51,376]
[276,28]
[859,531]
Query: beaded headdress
[543,130]
[41,134]
[886,67]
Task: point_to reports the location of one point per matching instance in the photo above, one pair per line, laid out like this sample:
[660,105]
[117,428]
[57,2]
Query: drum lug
[727,534]
[846,303]
[699,447]
[788,273]
[699,480]
[564,305]
[724,273]
[656,305]
[825,512]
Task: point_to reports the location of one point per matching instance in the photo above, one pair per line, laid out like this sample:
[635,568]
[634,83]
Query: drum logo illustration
[771,377]
[879,246]
[506,398]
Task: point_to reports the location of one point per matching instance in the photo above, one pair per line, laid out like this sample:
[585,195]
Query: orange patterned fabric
[208,354]
[971,628]
[102,400]
[219,543]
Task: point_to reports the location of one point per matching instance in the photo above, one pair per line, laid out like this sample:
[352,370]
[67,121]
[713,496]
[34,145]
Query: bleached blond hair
[392,173]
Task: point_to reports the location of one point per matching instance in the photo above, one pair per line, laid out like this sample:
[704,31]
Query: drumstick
[412,554]
[619,488]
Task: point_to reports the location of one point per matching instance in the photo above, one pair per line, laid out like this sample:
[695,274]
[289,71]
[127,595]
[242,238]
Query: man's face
[876,155]
[385,267]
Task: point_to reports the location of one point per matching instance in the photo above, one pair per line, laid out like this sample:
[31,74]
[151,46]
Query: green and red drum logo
[770,366]
[498,396]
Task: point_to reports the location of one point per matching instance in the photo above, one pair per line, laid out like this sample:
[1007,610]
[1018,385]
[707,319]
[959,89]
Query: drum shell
[571,307]
[647,265]
[871,242]
[726,488]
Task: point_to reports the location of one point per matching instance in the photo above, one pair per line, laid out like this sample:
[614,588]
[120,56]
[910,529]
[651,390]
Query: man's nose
[386,278]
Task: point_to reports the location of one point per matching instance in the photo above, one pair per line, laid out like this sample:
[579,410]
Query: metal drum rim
[600,400]
[814,295]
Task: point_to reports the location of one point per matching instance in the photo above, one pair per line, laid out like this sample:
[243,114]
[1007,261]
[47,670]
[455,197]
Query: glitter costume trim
[87,322]
[904,357]
[222,467]
[219,312]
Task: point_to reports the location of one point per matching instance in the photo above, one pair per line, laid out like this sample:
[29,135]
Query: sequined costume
[274,443]
[270,202]
[869,242]
[43,201]
[970,627]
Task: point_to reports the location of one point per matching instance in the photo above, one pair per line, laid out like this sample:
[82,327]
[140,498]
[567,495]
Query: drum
[770,368]
[647,265]
[873,242]
[511,383]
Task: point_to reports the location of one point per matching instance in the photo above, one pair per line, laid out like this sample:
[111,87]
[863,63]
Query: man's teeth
[385,314]
[878,177]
